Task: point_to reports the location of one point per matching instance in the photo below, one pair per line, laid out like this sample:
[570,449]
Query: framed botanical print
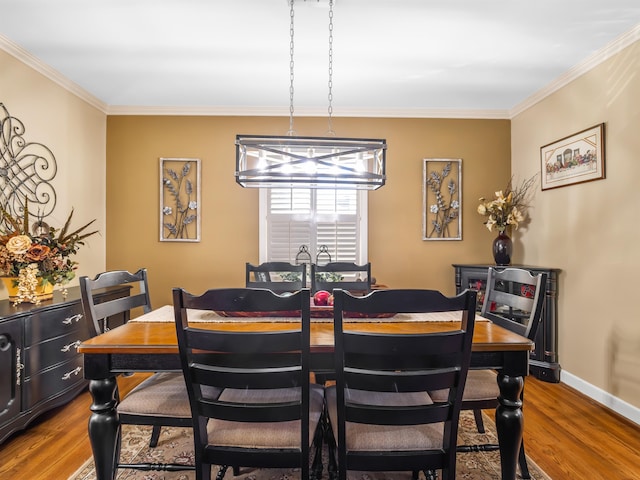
[180,203]
[442,199]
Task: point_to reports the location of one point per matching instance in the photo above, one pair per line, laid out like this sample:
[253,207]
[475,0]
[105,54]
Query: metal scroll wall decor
[180,200]
[26,171]
[442,199]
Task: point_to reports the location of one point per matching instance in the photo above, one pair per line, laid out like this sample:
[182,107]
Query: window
[291,217]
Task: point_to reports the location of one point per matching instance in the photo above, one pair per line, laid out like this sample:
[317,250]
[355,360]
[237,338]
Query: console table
[543,363]
[40,367]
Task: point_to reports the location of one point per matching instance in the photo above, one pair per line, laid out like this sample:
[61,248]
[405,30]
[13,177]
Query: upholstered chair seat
[481,385]
[265,435]
[386,437]
[161,394]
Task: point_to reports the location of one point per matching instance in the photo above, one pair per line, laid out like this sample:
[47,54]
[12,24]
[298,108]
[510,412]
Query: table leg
[509,423]
[104,427]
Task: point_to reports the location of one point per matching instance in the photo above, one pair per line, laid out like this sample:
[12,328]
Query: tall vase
[502,248]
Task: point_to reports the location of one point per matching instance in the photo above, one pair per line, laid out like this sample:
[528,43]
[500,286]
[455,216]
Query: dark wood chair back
[514,299]
[382,380]
[100,313]
[252,368]
[161,399]
[344,275]
[291,277]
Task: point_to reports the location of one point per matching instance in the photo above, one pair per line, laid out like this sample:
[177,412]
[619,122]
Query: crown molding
[50,73]
[598,57]
[306,112]
[196,110]
[591,62]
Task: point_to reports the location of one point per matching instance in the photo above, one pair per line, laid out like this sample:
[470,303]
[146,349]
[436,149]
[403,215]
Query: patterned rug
[176,446]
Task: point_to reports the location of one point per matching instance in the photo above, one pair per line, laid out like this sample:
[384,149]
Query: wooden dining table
[149,344]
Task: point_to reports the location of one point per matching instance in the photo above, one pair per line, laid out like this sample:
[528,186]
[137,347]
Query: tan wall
[591,230]
[398,254]
[75,132]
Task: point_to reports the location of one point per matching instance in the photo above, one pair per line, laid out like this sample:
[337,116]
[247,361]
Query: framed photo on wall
[442,199]
[180,203]
[574,159]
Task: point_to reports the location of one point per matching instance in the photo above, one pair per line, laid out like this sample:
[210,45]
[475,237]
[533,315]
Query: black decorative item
[303,255]
[26,170]
[502,249]
[323,252]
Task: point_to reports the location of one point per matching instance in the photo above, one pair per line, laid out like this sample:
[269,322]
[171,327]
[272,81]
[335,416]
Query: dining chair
[513,299]
[268,413]
[344,275]
[380,414]
[159,400]
[279,277]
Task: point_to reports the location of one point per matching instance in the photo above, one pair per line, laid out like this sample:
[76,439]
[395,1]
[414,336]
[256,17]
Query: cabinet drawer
[53,351]
[54,322]
[54,381]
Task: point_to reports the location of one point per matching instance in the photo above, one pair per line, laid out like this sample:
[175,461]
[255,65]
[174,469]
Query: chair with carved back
[381,416]
[160,400]
[513,299]
[279,277]
[268,413]
[344,275]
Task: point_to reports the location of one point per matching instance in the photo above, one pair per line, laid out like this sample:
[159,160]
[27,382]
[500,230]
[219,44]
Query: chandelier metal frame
[264,161]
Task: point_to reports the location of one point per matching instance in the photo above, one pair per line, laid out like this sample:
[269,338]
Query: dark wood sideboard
[40,367]
[543,363]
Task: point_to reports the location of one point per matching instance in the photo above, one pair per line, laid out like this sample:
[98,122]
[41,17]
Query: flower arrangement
[508,208]
[40,257]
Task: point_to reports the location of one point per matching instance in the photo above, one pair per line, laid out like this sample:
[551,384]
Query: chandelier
[310,162]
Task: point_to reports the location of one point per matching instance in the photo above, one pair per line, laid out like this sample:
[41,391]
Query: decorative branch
[184,211]
[444,211]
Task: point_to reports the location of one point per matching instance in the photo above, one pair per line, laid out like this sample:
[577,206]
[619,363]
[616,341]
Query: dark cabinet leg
[509,423]
[104,427]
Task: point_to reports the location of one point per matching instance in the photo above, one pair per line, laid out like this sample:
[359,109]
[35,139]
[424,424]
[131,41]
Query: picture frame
[180,200]
[574,159]
[442,199]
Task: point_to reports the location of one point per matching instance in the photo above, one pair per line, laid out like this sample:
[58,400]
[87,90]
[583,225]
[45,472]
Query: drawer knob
[75,344]
[74,372]
[75,318]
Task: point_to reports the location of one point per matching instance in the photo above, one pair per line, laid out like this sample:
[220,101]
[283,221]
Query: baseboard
[605,398]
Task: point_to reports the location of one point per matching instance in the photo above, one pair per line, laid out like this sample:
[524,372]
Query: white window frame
[362,215]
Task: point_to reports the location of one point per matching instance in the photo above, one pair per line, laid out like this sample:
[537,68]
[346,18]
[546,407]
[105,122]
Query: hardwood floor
[568,435]
[571,436]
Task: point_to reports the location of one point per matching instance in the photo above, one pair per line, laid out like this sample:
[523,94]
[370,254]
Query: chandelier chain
[330,96]
[291,65]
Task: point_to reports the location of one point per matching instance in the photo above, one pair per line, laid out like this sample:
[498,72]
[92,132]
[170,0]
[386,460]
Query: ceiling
[392,57]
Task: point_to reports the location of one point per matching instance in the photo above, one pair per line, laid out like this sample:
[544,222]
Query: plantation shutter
[313,217]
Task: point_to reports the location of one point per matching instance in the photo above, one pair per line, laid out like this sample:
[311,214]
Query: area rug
[176,446]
